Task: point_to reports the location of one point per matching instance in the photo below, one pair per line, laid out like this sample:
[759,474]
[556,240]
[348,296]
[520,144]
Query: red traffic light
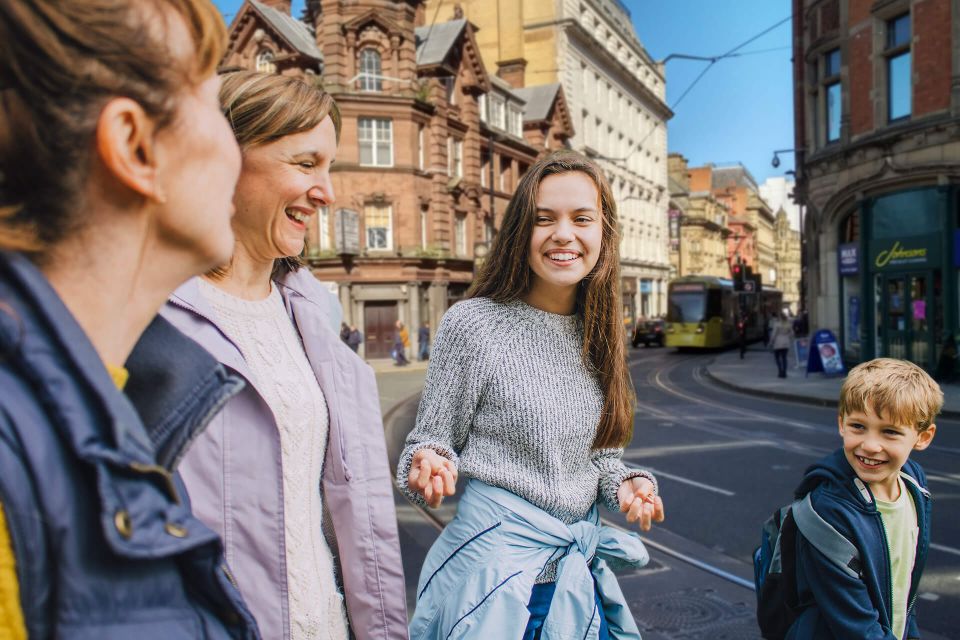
[736,269]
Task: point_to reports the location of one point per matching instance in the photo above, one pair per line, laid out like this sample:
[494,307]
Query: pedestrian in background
[354,338]
[296,442]
[109,127]
[423,337]
[401,341]
[345,333]
[781,337]
[531,372]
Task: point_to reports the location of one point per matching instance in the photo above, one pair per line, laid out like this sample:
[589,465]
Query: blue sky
[742,109]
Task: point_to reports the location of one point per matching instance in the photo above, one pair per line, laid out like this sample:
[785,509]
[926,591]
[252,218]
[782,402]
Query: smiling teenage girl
[528,395]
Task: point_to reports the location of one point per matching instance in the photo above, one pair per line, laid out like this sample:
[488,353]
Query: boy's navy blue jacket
[838,605]
[104,541]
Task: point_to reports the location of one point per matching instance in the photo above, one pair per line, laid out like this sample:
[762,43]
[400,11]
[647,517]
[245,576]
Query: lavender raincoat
[234,477]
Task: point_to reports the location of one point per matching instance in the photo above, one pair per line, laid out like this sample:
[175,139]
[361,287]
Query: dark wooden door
[380,328]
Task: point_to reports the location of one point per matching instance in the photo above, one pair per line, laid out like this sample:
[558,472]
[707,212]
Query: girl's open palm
[639,502]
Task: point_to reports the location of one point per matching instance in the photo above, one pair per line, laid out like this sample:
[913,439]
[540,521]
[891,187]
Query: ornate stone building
[616,102]
[787,252]
[877,121]
[431,149]
[699,226]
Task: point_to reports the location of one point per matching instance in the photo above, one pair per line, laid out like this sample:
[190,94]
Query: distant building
[787,256]
[778,193]
[877,121]
[431,150]
[698,231]
[615,94]
[750,221]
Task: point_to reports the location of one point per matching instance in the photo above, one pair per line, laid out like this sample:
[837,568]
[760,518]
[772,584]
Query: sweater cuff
[406,459]
[612,482]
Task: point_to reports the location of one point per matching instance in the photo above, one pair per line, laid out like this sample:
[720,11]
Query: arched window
[265,62]
[370,70]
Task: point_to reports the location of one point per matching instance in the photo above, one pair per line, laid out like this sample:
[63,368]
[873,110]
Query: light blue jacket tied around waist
[477,579]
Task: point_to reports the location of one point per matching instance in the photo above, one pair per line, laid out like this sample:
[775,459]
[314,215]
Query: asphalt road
[725,461]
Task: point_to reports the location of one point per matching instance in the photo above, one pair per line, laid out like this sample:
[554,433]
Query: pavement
[756,374]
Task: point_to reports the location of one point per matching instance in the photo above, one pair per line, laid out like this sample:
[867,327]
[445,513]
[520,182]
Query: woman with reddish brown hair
[529,396]
[116,175]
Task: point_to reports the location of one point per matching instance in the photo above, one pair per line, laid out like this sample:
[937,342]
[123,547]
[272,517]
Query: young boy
[877,498]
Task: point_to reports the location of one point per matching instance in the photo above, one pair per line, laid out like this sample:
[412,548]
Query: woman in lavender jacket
[305,437]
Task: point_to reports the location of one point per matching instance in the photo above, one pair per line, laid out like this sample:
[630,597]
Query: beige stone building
[787,252]
[615,95]
[699,228]
[431,149]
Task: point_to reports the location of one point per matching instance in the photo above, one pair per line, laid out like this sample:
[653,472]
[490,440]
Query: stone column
[346,301]
[437,300]
[413,296]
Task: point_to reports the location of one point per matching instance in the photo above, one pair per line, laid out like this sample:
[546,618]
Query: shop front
[897,281]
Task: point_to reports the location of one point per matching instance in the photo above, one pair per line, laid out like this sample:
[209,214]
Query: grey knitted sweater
[508,399]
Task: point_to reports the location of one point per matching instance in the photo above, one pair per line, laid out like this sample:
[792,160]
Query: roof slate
[539,100]
[434,43]
[293,31]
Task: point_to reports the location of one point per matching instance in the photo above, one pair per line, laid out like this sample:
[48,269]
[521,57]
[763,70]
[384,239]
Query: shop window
[907,213]
[899,82]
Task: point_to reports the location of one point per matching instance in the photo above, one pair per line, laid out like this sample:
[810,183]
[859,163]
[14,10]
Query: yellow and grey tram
[703,311]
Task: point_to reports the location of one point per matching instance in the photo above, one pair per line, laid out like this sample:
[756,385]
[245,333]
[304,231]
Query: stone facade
[415,203]
[787,255]
[877,120]
[616,98]
[702,226]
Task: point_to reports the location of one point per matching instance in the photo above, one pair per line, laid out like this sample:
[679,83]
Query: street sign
[347,225]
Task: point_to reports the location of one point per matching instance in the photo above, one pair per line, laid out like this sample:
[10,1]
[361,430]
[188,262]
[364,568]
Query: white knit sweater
[271,347]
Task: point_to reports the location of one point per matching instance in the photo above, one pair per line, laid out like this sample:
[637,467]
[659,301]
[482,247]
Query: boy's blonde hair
[896,390]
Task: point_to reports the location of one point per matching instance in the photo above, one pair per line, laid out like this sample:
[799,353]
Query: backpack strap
[825,538]
[909,478]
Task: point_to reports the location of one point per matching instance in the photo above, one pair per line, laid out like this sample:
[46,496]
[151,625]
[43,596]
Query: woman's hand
[638,501]
[432,476]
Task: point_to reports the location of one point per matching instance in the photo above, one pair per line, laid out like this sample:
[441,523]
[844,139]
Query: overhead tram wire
[732,53]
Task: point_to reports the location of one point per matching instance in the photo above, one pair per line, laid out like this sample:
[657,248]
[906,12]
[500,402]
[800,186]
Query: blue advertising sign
[848,257]
[825,354]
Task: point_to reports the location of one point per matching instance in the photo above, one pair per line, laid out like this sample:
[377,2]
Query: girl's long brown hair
[506,276]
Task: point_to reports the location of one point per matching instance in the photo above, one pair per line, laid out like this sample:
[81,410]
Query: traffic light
[737,269]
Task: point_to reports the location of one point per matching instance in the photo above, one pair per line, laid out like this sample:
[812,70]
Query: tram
[702,312]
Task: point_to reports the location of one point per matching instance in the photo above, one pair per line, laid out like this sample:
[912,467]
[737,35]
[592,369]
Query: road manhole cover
[689,612]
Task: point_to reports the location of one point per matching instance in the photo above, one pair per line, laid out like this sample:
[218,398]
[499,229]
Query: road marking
[699,564]
[694,483]
[945,549]
[653,452]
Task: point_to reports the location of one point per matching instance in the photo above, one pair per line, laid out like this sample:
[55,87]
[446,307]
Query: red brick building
[877,110]
[431,149]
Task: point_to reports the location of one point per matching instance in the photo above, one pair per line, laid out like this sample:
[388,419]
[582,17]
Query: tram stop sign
[750,286]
